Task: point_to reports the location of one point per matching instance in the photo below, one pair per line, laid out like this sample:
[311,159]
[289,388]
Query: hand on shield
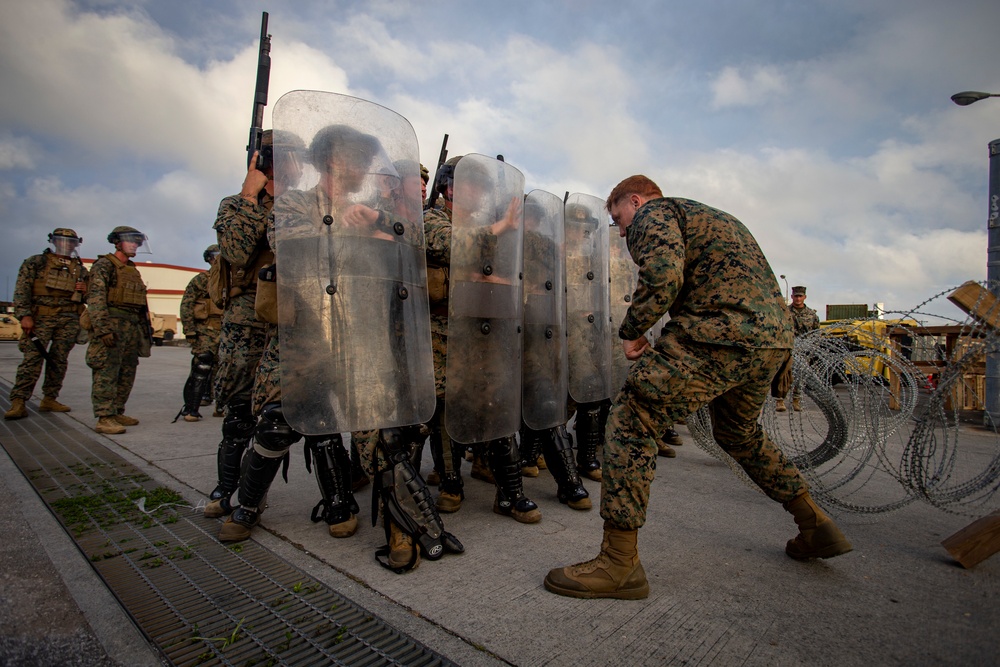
[634,348]
[511,219]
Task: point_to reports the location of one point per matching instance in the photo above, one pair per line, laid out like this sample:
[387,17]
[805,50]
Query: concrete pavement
[722,590]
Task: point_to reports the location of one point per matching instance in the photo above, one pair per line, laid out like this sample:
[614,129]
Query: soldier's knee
[274,436]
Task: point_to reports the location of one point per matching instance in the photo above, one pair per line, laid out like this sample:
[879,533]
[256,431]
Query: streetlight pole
[782,276]
[991,401]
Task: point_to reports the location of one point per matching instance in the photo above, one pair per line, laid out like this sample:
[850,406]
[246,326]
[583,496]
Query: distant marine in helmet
[120,333]
[48,299]
[201,320]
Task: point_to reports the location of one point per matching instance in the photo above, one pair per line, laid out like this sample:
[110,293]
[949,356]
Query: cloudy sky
[826,126]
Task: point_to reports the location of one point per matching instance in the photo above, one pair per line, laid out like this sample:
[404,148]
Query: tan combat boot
[818,535]
[109,426]
[615,573]
[779,405]
[125,420]
[796,404]
[448,502]
[52,405]
[344,528]
[17,409]
[665,450]
[401,548]
[481,471]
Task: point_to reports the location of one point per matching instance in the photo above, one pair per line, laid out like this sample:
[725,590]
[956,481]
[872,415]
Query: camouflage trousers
[61,332]
[240,350]
[667,383]
[114,367]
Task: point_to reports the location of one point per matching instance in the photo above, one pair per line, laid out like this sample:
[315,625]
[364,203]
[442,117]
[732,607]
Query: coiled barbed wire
[876,433]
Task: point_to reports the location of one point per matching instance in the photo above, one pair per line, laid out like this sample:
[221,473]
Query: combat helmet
[211,252]
[123,233]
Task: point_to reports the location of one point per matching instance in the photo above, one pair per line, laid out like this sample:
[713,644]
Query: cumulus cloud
[757,85]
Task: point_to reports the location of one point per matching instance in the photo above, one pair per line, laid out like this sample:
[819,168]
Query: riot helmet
[64,241]
[285,152]
[124,234]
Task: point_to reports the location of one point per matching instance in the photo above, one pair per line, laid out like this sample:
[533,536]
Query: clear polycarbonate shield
[588,308]
[483,371]
[353,316]
[624,276]
[545,371]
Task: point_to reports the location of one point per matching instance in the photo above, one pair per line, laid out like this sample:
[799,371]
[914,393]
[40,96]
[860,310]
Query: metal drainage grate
[198,601]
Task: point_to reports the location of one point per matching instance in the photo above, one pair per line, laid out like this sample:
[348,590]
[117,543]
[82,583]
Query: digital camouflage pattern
[705,268]
[57,321]
[206,331]
[728,334]
[113,367]
[804,318]
[240,228]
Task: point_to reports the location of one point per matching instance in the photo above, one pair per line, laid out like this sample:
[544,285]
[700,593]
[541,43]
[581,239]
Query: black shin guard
[333,475]
[275,436]
[237,430]
[197,384]
[505,463]
[589,437]
[558,454]
[447,462]
[531,446]
[406,501]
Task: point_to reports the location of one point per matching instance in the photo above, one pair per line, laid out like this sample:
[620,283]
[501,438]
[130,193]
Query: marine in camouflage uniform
[119,316]
[202,323]
[805,320]
[48,299]
[240,228]
[728,335]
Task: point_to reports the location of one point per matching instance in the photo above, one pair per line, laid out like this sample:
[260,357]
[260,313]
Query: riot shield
[587,299]
[483,370]
[545,370]
[624,277]
[353,318]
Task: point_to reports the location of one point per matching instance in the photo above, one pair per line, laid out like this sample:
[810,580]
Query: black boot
[589,437]
[531,448]
[333,475]
[559,456]
[506,467]
[237,430]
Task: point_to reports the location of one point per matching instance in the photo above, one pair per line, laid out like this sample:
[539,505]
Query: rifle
[260,98]
[442,157]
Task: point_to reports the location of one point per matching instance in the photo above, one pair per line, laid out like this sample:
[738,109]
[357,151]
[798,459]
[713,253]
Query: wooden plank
[978,302]
[976,542]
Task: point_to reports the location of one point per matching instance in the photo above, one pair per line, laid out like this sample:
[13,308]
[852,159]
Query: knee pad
[239,422]
[201,364]
[273,436]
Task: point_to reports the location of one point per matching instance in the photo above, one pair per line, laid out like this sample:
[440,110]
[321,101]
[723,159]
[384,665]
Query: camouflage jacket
[33,269]
[240,228]
[103,276]
[196,289]
[805,319]
[704,267]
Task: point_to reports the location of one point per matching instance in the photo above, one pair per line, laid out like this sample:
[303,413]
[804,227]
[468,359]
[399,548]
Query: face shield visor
[65,246]
[134,242]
